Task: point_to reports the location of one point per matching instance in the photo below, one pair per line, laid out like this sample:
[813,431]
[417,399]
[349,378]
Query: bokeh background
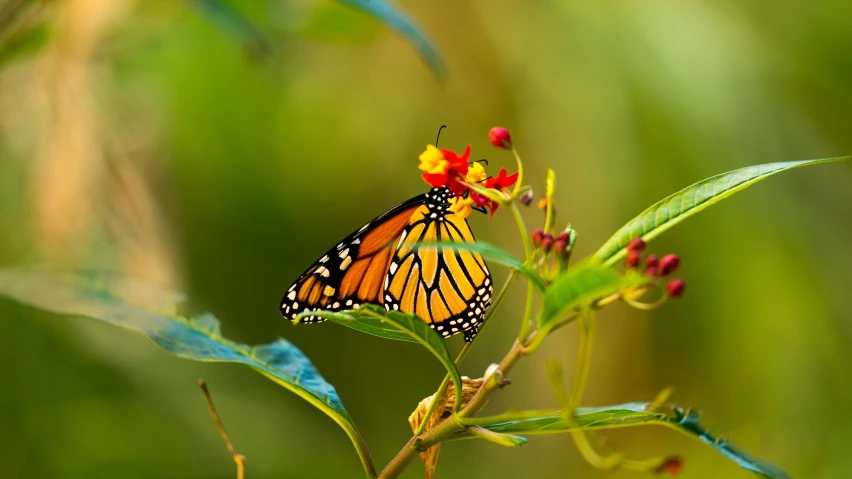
[152,139]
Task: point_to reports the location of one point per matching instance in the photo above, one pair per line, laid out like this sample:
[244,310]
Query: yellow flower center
[432,160]
[475,173]
[461,206]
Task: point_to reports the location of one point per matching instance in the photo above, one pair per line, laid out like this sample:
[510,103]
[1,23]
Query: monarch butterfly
[378,264]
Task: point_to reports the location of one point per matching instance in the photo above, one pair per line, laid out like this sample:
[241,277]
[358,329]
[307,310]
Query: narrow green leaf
[549,189]
[491,253]
[579,287]
[375,320]
[505,440]
[672,210]
[387,12]
[153,312]
[623,415]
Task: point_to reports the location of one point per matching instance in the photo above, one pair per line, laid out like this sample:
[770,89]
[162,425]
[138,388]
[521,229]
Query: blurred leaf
[506,440]
[375,320]
[23,28]
[623,415]
[24,42]
[675,208]
[579,287]
[492,253]
[334,22]
[234,23]
[386,12]
[152,312]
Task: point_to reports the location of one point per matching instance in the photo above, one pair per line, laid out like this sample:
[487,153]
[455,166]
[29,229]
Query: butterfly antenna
[439,135]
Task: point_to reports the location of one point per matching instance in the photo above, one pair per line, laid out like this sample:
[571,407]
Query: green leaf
[360,322]
[153,312]
[386,12]
[672,210]
[491,253]
[375,320]
[579,287]
[549,189]
[505,440]
[623,415]
[235,23]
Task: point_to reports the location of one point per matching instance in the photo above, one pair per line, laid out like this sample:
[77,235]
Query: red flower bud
[500,137]
[536,236]
[652,261]
[675,288]
[547,242]
[633,258]
[669,264]
[526,198]
[651,271]
[559,246]
[563,236]
[672,466]
[636,244]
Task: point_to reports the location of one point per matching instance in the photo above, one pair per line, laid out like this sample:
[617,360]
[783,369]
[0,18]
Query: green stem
[526,323]
[520,182]
[584,355]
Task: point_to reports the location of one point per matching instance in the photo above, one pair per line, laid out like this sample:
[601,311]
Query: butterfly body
[380,264]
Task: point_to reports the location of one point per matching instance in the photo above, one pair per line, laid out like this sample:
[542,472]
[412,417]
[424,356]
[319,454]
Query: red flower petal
[501,180]
[435,179]
[457,163]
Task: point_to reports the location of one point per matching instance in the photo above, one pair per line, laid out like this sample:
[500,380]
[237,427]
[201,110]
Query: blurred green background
[144,138]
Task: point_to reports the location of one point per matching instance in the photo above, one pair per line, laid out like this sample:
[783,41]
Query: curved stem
[520,182]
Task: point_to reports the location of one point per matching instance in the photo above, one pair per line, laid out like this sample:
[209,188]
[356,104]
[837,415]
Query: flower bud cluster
[560,245]
[655,266]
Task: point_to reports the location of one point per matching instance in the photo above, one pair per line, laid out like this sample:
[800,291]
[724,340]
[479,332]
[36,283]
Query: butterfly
[450,289]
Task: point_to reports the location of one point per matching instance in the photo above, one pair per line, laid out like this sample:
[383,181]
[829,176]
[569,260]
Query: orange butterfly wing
[354,271]
[448,289]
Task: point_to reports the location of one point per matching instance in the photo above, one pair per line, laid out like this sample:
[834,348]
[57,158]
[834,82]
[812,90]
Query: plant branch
[446,382]
[451,425]
[239,459]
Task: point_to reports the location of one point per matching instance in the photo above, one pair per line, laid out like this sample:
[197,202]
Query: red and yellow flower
[500,183]
[445,168]
[448,168]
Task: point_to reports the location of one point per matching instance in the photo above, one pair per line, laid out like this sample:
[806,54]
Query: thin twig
[239,459]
